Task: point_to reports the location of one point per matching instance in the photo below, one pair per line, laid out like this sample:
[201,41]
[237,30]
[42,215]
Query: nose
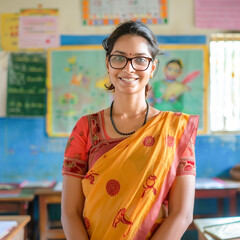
[128,67]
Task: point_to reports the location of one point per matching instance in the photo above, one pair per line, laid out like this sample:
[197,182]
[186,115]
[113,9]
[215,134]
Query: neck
[128,107]
[126,133]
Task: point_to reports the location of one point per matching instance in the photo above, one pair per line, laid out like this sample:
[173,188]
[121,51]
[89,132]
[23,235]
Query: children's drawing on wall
[75,87]
[179,83]
[168,92]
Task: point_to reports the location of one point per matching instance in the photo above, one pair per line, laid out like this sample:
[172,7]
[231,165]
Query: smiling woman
[136,70]
[130,165]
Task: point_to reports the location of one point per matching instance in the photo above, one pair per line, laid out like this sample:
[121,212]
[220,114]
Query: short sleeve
[76,151]
[187,163]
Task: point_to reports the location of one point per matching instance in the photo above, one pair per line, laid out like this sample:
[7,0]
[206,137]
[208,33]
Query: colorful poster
[180,83]
[38,29]
[222,14]
[76,78]
[107,12]
[9,31]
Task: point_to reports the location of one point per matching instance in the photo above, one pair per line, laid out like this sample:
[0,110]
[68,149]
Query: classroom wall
[26,152]
[181,17]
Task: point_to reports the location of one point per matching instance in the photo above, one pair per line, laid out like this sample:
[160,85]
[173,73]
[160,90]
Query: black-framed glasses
[138,63]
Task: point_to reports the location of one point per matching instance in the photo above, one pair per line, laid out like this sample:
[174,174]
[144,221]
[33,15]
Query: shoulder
[179,119]
[179,114]
[86,119]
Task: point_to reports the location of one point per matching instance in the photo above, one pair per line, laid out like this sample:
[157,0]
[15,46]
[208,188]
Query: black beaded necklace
[114,126]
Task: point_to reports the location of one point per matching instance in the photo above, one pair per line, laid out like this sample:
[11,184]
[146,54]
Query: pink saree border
[153,213]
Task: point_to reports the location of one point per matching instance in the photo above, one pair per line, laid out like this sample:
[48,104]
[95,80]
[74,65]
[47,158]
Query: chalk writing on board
[26,92]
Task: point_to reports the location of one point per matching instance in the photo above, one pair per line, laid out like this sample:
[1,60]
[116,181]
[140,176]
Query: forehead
[131,44]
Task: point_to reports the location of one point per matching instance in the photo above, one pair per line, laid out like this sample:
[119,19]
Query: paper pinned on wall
[9,31]
[38,29]
[96,12]
[222,14]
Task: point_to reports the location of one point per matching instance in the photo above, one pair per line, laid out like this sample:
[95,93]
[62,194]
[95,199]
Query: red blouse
[86,144]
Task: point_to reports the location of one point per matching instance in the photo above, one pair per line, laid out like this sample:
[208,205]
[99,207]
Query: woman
[129,170]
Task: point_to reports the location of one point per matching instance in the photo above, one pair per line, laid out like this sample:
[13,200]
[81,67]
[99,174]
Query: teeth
[128,79]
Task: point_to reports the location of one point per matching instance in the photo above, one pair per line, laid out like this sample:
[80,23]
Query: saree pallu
[126,186]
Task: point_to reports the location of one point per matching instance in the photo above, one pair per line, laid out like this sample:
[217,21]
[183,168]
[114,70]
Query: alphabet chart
[107,12]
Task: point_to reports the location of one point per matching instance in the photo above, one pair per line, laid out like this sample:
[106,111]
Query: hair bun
[105,44]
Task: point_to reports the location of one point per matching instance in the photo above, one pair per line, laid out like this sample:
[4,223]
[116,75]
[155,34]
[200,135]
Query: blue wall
[26,152]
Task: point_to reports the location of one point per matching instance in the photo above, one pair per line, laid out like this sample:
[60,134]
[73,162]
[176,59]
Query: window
[225,82]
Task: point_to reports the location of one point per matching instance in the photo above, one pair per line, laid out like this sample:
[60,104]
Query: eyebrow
[136,54]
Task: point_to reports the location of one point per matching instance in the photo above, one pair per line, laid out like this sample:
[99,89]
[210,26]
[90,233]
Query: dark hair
[133,28]
[178,61]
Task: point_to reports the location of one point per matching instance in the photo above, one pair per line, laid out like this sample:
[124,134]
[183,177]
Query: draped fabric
[126,186]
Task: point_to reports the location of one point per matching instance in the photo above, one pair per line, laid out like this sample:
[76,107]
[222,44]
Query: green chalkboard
[26,91]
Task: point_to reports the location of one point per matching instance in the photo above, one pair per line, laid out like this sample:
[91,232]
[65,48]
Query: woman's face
[128,80]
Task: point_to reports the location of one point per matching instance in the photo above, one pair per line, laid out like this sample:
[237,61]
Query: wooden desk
[49,230]
[199,224]
[16,233]
[219,189]
[16,203]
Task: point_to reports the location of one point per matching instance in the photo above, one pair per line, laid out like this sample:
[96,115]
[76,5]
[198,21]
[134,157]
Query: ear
[154,65]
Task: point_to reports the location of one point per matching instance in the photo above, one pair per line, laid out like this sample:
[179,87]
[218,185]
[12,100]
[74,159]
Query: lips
[128,79]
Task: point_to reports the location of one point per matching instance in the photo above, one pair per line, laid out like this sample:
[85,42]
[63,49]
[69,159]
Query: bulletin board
[75,82]
[187,93]
[107,12]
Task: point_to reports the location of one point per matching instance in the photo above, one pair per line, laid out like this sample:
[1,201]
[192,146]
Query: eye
[141,59]
[118,58]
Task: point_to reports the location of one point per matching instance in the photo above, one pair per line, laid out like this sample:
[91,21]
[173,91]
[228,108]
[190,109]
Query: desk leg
[220,207]
[233,205]
[43,218]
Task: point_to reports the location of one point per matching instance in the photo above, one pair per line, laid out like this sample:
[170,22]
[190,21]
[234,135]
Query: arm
[72,209]
[181,203]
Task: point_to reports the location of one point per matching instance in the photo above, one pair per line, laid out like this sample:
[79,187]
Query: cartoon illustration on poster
[180,82]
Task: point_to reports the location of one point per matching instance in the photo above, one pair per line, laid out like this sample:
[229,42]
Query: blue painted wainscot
[26,152]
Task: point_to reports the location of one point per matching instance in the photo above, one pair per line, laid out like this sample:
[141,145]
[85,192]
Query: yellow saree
[125,188]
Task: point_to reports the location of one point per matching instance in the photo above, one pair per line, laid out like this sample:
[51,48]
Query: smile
[128,79]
